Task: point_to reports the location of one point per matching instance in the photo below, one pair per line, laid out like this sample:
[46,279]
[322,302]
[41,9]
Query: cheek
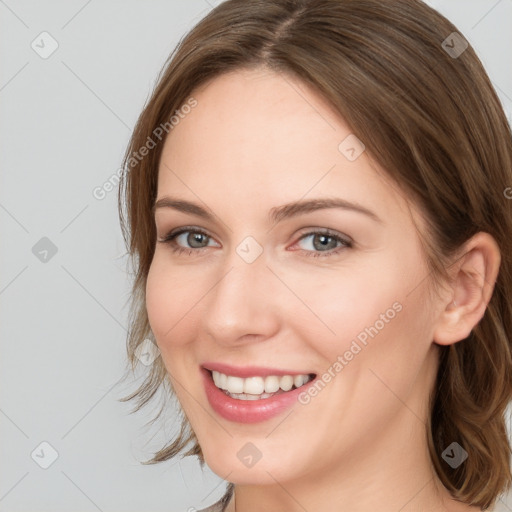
[347,300]
[156,300]
[370,313]
[164,301]
[173,304]
[166,306]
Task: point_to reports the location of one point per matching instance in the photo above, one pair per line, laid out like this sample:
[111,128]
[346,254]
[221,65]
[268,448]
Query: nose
[244,304]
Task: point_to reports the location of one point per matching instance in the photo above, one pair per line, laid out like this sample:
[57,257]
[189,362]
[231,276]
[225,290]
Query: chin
[243,463]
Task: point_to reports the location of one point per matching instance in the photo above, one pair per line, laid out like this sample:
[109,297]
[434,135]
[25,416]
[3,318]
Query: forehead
[265,139]
[249,107]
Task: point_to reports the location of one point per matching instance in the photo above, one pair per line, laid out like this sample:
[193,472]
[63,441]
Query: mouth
[252,394]
[258,387]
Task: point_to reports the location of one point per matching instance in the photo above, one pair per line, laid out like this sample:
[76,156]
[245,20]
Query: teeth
[254,388]
[299,380]
[245,396]
[235,384]
[271,384]
[254,385]
[286,382]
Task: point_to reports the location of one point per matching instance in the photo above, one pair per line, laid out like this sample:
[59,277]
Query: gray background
[65,123]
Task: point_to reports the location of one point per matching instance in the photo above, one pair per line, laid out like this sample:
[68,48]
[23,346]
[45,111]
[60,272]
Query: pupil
[195,238]
[324,241]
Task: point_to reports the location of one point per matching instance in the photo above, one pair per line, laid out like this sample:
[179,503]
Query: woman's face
[269,286]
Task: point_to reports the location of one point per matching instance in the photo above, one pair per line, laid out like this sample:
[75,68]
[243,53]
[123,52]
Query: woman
[316,207]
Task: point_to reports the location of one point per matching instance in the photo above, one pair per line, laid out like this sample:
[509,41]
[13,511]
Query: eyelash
[169,239]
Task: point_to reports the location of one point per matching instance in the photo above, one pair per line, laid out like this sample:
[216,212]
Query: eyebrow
[276,214]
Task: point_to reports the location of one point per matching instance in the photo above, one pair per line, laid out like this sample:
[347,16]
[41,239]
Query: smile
[252,394]
[257,388]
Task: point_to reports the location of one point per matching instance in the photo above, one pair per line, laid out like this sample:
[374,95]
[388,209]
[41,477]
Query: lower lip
[248,411]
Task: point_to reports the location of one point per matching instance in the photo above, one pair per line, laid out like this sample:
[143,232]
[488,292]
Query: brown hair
[431,118]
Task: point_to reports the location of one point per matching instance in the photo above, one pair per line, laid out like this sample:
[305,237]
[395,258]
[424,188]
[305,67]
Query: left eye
[320,243]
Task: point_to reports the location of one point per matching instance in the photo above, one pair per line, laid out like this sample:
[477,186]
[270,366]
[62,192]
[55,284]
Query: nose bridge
[242,300]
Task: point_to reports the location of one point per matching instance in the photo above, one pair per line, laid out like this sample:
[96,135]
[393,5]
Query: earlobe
[474,276]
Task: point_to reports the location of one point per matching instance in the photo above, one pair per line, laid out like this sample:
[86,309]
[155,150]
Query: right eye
[187,240]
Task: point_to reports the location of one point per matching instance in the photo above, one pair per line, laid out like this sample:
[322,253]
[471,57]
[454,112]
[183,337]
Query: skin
[255,141]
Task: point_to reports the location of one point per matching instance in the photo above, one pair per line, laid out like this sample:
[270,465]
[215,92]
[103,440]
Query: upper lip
[250,371]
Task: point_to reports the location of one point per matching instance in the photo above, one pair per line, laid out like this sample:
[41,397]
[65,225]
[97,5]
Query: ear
[474,275]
